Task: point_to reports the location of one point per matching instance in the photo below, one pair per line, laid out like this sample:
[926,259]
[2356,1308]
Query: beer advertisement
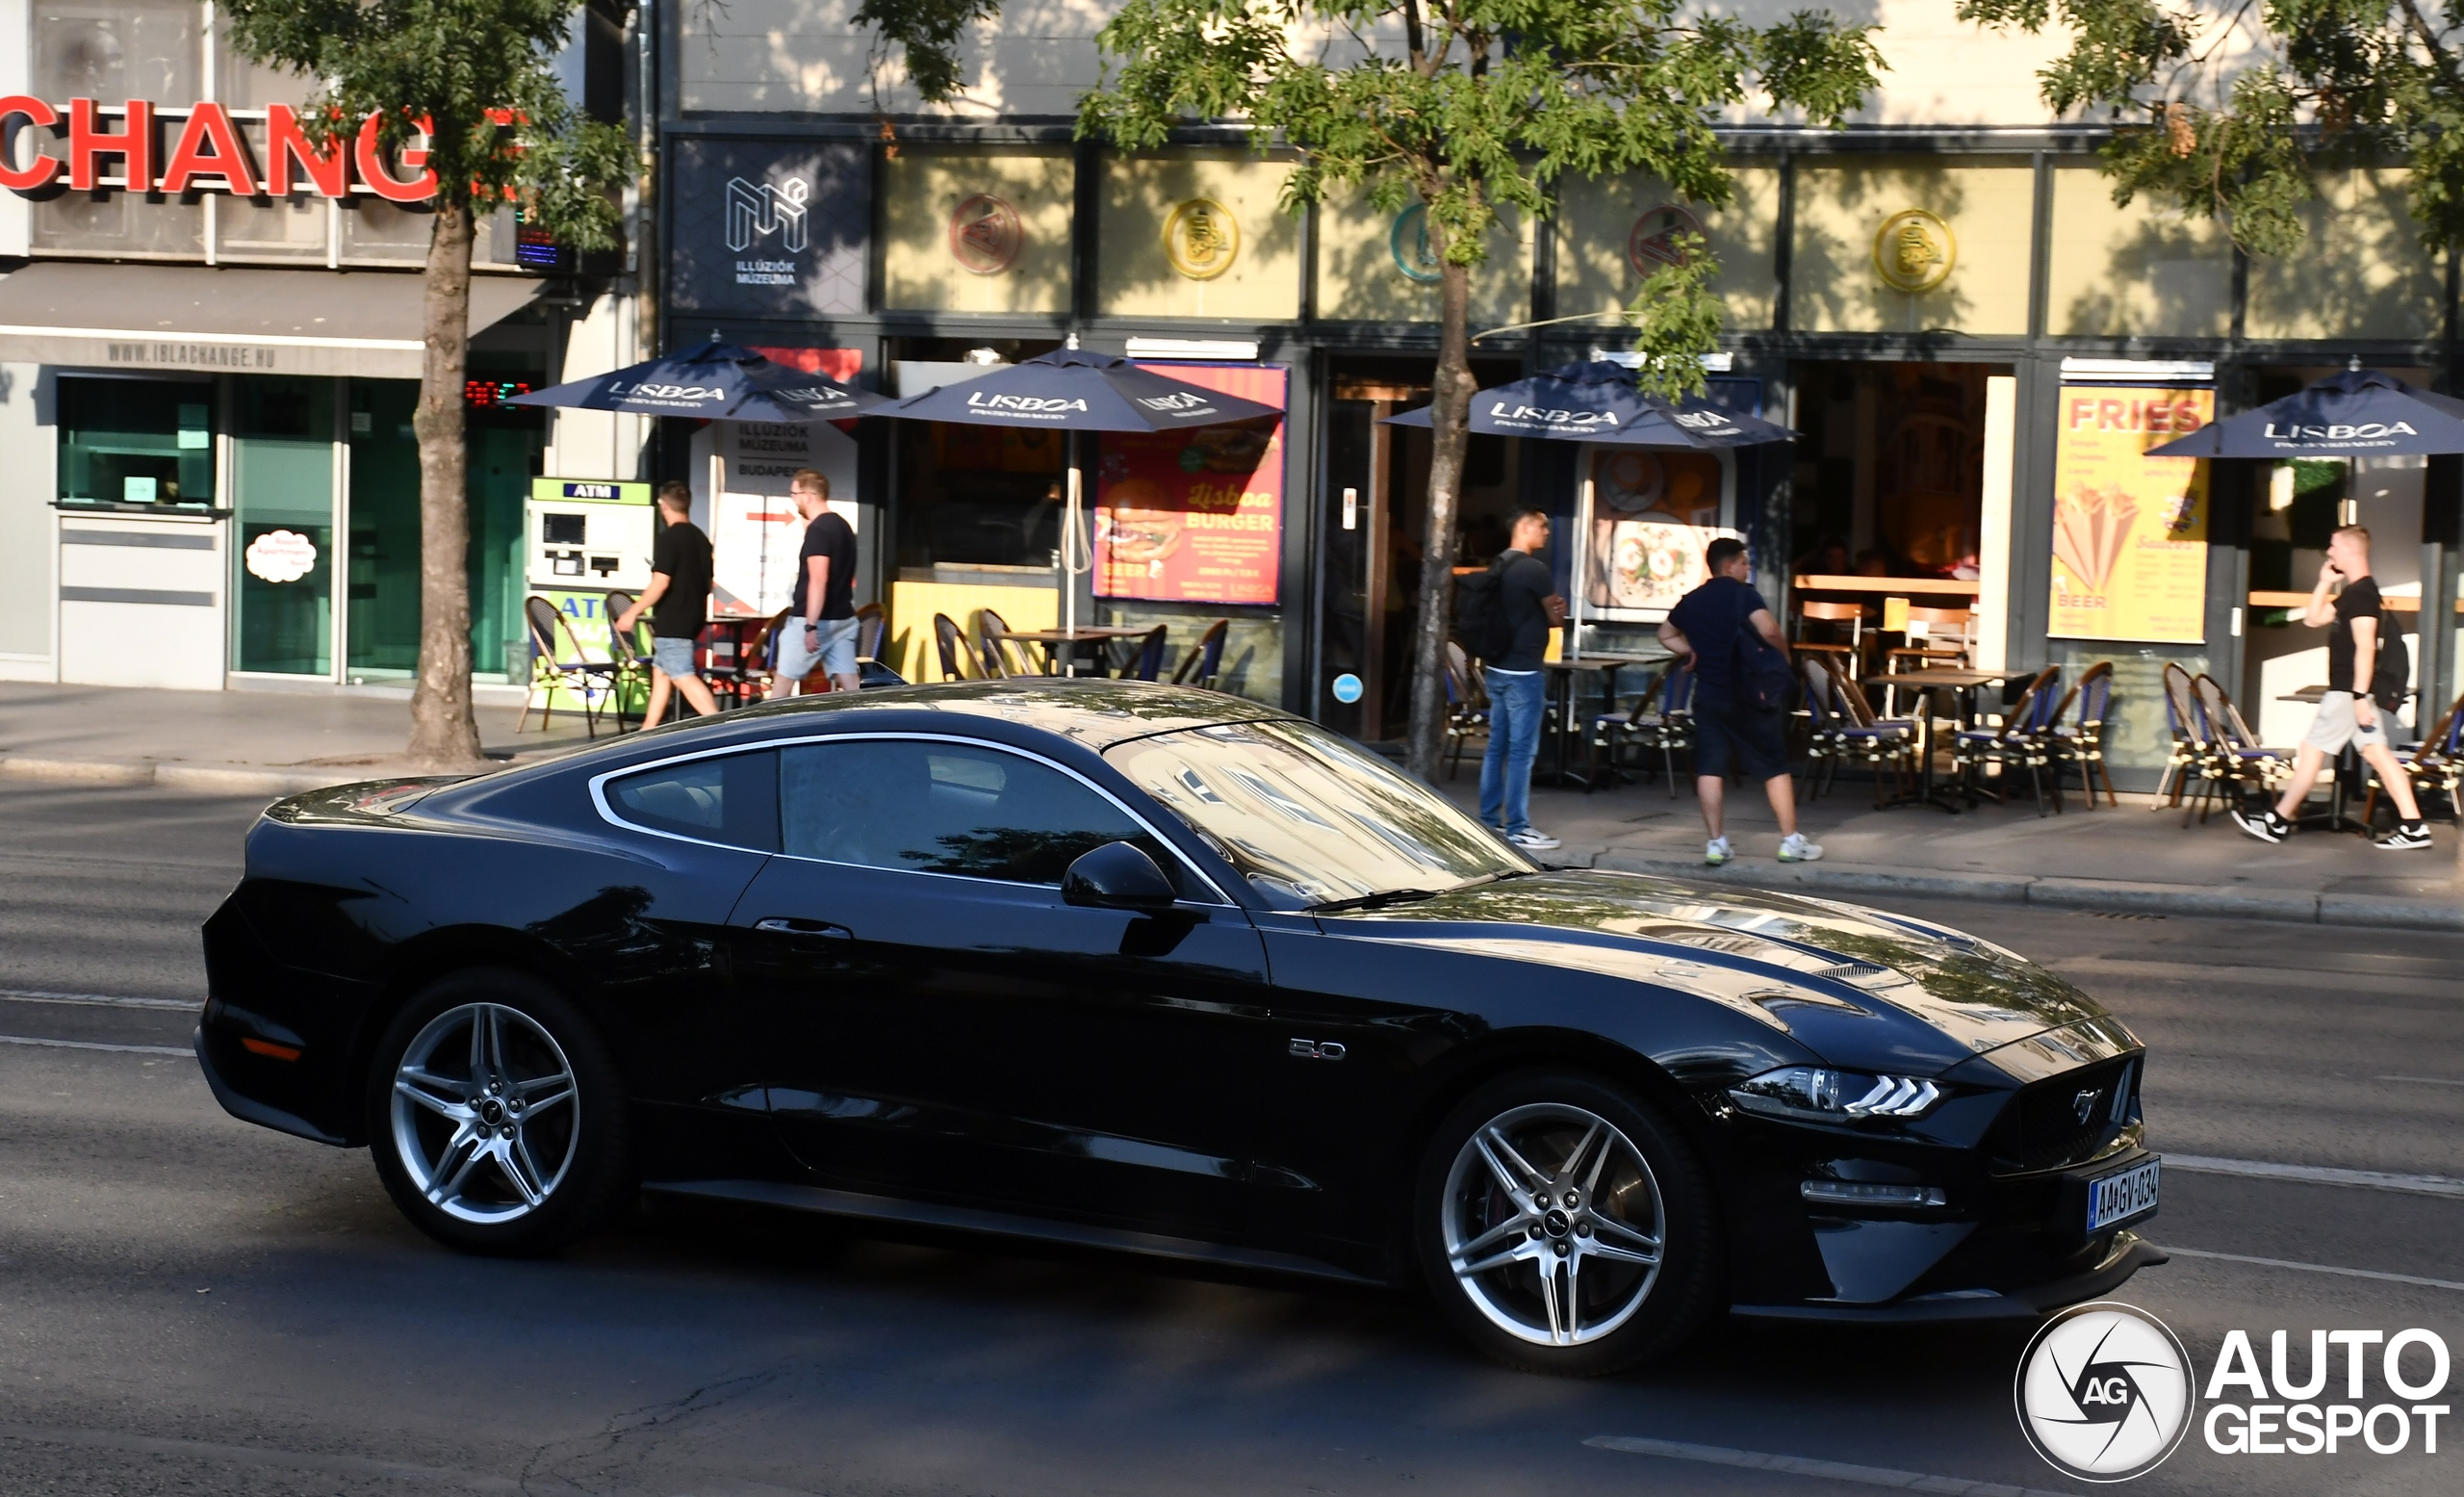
[2129,531]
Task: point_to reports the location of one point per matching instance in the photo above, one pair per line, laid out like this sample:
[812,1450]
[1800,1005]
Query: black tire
[464,1158]
[1628,1311]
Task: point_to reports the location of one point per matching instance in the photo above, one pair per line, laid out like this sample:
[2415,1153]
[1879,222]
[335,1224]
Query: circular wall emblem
[2105,1392]
[281,557]
[984,235]
[1652,242]
[1414,255]
[1201,239]
[1914,251]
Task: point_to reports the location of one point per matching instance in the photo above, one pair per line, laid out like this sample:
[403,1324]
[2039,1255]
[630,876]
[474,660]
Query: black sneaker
[2408,835]
[2266,826]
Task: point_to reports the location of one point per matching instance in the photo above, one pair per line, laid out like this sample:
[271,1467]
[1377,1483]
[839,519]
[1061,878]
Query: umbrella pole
[1583,562]
[1073,541]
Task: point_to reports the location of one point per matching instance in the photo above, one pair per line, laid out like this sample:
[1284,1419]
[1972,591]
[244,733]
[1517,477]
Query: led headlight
[1820,1094]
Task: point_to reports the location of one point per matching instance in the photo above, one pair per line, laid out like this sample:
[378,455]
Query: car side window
[936,807]
[731,798]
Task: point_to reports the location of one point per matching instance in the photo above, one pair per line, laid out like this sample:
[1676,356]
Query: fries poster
[2129,531]
[1195,516]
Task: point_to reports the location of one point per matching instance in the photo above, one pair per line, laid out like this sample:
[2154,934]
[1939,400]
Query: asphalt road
[191,1304]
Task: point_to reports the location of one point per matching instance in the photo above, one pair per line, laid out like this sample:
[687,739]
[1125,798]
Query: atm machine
[580,540]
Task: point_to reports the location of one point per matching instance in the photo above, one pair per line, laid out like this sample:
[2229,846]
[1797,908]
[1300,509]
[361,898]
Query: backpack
[1479,614]
[2393,669]
[1763,679]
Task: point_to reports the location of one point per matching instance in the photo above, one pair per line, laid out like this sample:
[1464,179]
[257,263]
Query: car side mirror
[1117,876]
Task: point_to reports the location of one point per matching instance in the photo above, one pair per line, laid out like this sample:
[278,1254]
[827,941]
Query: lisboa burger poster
[1195,516]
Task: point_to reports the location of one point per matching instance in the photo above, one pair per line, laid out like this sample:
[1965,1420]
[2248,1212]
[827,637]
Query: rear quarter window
[728,798]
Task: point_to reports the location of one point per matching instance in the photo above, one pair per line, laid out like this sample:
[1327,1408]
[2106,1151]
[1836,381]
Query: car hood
[1824,972]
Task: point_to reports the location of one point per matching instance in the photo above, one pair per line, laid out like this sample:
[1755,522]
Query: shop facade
[210,351]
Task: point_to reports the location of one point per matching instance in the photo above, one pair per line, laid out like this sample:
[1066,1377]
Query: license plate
[2118,1197]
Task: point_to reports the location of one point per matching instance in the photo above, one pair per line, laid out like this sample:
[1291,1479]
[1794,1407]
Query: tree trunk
[444,732]
[1450,431]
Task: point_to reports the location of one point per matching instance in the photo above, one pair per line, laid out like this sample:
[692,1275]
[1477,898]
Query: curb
[2067,893]
[209,779]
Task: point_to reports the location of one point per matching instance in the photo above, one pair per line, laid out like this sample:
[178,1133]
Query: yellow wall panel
[2361,271]
[922,190]
[1843,202]
[1596,226]
[2140,270]
[1361,277]
[908,645]
[1136,277]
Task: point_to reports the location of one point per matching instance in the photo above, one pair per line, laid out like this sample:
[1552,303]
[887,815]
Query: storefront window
[137,441]
[282,482]
[384,636]
[111,51]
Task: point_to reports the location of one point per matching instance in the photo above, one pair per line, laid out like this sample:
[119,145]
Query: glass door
[282,495]
[384,636]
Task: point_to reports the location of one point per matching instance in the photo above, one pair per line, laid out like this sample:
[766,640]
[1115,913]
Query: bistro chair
[1669,725]
[1147,664]
[2017,743]
[872,622]
[1929,625]
[2188,730]
[556,660]
[1001,653]
[631,653]
[1203,664]
[1833,616]
[756,664]
[1822,724]
[2236,762]
[2080,743]
[2435,763]
[1883,743]
[1466,704]
[951,644]
[1614,732]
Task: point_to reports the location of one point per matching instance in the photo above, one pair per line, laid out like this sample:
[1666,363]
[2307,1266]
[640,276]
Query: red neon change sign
[208,155]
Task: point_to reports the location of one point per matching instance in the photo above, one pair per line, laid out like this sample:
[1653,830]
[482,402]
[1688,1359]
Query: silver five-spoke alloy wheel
[485,1116]
[1553,1223]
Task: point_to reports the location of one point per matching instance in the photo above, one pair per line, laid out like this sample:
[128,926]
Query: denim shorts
[832,649]
[671,657]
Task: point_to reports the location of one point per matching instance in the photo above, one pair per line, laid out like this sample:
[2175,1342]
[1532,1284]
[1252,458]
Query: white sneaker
[1717,851]
[1794,848]
[1532,840]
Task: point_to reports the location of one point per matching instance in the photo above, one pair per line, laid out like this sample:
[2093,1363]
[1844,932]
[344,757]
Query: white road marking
[95,1044]
[98,999]
[2317,1268]
[2317,1175]
[1801,1465]
[2424,1081]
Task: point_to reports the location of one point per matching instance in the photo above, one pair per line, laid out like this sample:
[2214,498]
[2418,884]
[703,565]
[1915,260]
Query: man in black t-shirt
[1707,629]
[819,633]
[2354,618]
[1528,600]
[679,597]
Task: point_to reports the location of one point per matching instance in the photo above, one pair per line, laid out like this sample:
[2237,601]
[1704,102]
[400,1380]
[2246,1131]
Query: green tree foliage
[473,78]
[1471,108]
[2227,108]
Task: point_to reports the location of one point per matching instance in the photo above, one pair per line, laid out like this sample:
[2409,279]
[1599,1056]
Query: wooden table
[1563,712]
[1834,582]
[1062,646]
[1923,684]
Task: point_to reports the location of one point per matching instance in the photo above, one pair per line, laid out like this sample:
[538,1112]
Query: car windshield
[1310,819]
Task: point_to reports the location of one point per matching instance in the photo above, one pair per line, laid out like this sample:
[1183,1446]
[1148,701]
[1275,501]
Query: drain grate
[2121,915]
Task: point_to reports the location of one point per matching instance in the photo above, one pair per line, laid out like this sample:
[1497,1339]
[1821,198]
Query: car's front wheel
[495,1116]
[1563,1227]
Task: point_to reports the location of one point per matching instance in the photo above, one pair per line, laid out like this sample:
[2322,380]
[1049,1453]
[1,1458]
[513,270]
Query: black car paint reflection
[939,1038]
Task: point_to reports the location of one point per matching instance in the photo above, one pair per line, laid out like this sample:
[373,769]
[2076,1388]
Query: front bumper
[2128,1254]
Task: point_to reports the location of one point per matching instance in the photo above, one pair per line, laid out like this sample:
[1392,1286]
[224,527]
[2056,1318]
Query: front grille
[2043,1129]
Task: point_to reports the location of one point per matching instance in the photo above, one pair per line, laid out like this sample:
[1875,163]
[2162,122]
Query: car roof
[1092,711]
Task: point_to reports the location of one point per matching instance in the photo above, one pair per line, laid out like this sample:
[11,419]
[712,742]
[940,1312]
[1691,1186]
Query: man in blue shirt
[1710,629]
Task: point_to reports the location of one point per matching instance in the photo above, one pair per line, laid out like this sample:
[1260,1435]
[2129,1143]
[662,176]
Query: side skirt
[1003,1224]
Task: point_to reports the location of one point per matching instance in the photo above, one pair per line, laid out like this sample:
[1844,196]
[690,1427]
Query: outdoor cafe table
[1061,647]
[1923,684]
[1562,712]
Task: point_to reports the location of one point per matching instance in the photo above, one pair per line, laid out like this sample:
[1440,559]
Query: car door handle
[788,925]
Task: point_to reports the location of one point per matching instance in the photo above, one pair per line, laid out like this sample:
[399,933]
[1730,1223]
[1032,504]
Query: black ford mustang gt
[1114,964]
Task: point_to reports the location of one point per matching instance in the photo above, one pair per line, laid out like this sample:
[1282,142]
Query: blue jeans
[1516,701]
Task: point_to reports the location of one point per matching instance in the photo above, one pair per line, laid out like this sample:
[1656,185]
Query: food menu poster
[1195,516]
[2129,531]
[1653,512]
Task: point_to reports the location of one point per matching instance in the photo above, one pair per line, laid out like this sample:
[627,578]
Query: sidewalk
[237,742]
[2130,859]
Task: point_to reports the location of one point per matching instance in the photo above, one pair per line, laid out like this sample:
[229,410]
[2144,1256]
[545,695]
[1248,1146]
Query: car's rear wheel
[1564,1225]
[497,1121]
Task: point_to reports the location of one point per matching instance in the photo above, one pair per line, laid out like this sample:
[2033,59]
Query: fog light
[1854,1193]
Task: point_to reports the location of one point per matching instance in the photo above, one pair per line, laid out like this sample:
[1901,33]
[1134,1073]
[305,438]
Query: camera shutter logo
[1915,250]
[984,235]
[2104,1392]
[1201,239]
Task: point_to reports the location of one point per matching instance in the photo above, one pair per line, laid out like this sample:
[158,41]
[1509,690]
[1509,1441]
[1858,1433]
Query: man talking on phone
[2348,713]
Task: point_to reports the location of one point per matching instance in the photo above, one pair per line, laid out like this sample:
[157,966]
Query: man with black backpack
[1503,616]
[1725,633]
[2366,666]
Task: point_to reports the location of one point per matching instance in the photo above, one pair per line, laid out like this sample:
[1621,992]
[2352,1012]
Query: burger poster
[2129,531]
[1195,516]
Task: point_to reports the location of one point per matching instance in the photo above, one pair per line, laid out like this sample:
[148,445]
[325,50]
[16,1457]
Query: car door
[944,1025]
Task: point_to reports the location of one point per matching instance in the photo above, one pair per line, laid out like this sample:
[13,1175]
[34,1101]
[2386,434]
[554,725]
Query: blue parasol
[1073,390]
[1599,401]
[2357,413]
[717,381]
